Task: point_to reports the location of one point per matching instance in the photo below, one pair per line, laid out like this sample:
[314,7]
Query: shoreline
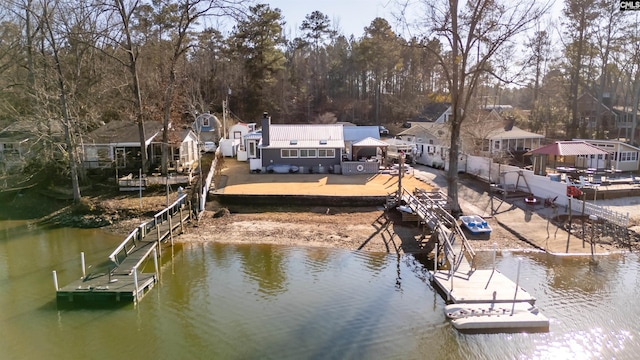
[366,229]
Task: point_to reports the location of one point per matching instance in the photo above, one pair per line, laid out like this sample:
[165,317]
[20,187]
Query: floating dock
[470,290]
[125,282]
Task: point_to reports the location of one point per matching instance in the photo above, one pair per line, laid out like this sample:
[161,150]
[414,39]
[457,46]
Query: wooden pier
[125,281]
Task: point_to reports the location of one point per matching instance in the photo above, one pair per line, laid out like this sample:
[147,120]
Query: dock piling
[495,249]
[155,261]
[55,280]
[435,259]
[84,272]
[135,280]
[515,296]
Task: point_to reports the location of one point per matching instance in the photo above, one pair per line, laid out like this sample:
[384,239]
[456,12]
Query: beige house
[622,157]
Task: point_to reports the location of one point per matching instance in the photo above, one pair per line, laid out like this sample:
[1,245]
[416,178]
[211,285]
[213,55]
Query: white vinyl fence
[540,186]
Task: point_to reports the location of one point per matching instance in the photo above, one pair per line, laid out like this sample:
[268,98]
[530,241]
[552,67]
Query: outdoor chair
[635,180]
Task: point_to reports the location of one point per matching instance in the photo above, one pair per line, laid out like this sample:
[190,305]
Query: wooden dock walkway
[454,272]
[125,281]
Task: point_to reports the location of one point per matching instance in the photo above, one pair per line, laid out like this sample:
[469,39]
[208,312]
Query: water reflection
[257,301]
[266,266]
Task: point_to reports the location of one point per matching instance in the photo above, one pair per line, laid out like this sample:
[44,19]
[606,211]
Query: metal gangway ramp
[454,270]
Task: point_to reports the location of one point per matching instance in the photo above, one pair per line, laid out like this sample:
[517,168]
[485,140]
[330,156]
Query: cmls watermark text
[629,5]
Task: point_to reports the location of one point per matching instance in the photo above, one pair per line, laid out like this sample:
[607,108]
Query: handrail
[136,234]
[426,204]
[130,238]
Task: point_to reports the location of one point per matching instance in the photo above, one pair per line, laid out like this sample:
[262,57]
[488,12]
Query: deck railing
[431,208]
[139,233]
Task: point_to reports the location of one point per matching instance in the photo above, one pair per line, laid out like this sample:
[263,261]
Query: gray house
[311,147]
[117,144]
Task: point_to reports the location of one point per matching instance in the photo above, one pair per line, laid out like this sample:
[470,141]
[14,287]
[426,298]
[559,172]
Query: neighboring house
[622,156]
[208,128]
[312,148]
[183,150]
[427,133]
[117,144]
[431,112]
[558,156]
[23,139]
[432,143]
[444,117]
[486,133]
[509,140]
[624,122]
[14,148]
[589,109]
[234,145]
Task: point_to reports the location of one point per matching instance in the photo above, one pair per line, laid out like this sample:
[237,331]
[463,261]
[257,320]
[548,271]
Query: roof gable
[123,132]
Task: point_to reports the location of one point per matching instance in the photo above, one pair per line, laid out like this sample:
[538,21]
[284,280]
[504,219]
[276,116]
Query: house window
[326,153]
[205,121]
[496,145]
[288,153]
[628,156]
[252,149]
[308,153]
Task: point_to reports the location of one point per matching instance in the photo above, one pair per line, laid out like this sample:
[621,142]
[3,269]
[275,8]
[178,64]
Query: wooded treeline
[83,63]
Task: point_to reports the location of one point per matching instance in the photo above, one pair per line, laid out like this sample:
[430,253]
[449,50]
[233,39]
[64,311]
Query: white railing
[604,213]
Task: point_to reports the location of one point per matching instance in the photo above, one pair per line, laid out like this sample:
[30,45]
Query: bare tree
[180,17]
[475,31]
[126,11]
[608,41]
[48,13]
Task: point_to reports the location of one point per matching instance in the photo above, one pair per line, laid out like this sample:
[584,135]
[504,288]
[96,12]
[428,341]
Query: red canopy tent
[561,149]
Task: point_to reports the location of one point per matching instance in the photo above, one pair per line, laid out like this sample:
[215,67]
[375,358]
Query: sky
[351,16]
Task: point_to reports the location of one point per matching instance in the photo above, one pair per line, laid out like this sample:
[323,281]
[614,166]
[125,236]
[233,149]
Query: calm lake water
[267,302]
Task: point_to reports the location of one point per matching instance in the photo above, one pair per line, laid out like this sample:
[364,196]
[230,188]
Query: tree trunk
[133,69]
[71,151]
